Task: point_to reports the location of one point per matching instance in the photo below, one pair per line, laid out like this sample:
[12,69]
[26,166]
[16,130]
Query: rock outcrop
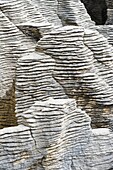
[83,66]
[56,86]
[35,81]
[55,134]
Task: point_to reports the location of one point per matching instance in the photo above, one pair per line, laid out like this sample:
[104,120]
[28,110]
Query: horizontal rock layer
[35,81]
[20,150]
[54,131]
[13,45]
[55,134]
[73,13]
[83,65]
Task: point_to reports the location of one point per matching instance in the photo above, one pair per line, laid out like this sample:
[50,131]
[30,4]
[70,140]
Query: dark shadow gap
[97,9]
[7,109]
[31,31]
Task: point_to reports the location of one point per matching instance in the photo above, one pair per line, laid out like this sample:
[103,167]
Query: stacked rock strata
[73,13]
[106,31]
[13,44]
[18,149]
[83,64]
[69,62]
[65,148]
[35,81]
[26,16]
[14,24]
[14,11]
[55,134]
[49,10]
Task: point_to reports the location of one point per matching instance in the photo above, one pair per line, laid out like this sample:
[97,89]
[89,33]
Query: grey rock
[57,80]
[35,81]
[83,66]
[55,134]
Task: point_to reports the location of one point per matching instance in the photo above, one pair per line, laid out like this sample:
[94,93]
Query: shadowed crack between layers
[97,9]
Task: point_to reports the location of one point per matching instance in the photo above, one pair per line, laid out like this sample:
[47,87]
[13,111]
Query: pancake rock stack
[56,88]
[15,44]
[49,10]
[55,134]
[83,66]
[35,81]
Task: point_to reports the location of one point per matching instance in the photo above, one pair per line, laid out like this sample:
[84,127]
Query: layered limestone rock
[39,80]
[55,134]
[73,13]
[49,10]
[18,149]
[18,36]
[35,81]
[26,16]
[83,67]
[13,44]
[106,31]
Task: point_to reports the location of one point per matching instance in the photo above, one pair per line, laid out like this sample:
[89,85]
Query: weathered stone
[73,13]
[83,67]
[55,134]
[35,81]
[40,79]
[13,43]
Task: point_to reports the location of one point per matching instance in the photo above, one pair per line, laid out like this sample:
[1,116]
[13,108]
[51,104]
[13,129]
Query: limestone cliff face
[83,68]
[56,85]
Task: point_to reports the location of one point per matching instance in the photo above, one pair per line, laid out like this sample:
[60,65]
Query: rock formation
[56,85]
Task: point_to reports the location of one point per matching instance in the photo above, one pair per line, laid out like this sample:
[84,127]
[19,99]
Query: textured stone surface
[35,81]
[107,31]
[58,87]
[55,134]
[19,32]
[18,149]
[73,13]
[83,67]
[49,10]
[13,44]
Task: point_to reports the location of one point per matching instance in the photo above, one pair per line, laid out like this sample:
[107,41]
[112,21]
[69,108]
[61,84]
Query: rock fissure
[97,9]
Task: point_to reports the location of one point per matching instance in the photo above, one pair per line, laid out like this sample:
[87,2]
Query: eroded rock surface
[73,13]
[56,74]
[55,134]
[35,81]
[83,66]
